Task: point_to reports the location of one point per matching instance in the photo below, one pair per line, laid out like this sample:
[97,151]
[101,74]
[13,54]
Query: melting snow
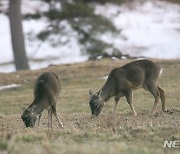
[9,86]
[151,29]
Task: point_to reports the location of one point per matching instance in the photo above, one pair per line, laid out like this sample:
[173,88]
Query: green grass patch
[82,133]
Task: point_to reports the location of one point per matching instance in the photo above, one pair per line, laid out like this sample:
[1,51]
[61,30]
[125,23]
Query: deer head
[29,117]
[96,102]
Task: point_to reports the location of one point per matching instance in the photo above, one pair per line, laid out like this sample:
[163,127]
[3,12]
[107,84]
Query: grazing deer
[46,91]
[121,82]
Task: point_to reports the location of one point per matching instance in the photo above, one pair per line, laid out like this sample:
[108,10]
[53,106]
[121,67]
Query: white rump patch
[160,72]
[105,77]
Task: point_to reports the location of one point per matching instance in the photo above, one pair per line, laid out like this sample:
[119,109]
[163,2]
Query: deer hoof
[135,114]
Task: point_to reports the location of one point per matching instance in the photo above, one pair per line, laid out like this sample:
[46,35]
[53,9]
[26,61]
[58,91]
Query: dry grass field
[83,134]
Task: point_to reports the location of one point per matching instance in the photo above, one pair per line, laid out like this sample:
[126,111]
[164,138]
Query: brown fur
[46,91]
[122,81]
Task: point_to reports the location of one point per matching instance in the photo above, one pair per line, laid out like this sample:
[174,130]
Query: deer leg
[162,96]
[155,92]
[129,98]
[116,100]
[39,119]
[55,114]
[49,117]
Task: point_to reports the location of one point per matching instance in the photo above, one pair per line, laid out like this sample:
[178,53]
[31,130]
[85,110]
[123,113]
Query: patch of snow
[99,57]
[150,29]
[7,68]
[9,86]
[66,53]
[5,40]
[123,57]
[114,58]
[33,6]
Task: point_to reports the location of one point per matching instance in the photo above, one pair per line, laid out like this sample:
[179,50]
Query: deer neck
[39,105]
[107,92]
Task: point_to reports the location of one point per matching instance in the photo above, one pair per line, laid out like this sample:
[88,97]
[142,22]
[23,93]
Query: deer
[123,80]
[46,92]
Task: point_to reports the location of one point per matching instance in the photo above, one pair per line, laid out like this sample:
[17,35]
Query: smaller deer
[46,91]
[121,82]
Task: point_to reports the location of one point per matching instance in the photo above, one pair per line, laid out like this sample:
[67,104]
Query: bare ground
[82,133]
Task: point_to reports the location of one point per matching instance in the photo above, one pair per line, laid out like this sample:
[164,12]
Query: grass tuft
[83,134]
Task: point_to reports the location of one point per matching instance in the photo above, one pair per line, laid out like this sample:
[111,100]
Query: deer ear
[90,93]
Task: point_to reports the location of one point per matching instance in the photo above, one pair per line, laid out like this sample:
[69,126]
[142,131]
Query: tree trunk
[17,37]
